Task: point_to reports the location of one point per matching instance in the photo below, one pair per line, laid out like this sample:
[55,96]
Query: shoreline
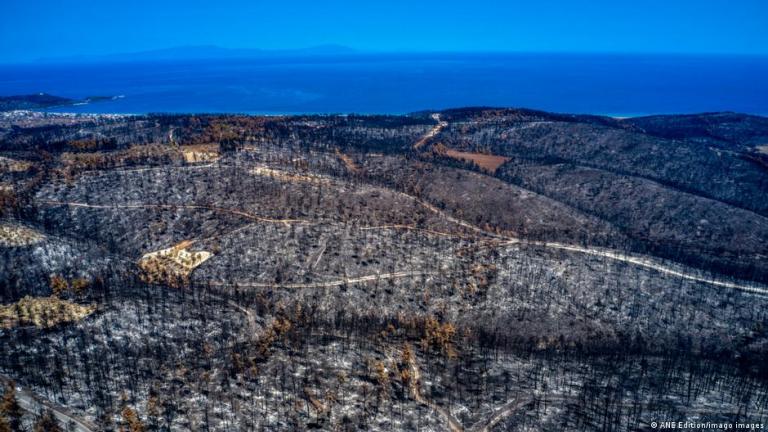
[28,113]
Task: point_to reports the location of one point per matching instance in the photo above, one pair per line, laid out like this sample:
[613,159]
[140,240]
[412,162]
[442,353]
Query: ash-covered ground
[469,270]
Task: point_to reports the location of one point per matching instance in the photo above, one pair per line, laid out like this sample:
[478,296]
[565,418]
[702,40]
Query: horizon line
[226,53]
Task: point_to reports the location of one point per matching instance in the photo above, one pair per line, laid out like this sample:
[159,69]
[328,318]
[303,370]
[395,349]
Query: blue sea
[618,85]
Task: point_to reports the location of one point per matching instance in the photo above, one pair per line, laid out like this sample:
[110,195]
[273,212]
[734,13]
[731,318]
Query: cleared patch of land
[487,162]
[288,176]
[12,235]
[43,312]
[172,264]
[201,153]
[13,165]
[348,162]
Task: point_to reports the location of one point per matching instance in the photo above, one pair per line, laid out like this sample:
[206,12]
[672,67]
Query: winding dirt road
[503,240]
[484,425]
[651,264]
[414,385]
[177,206]
[36,404]
[506,410]
[329,284]
[452,219]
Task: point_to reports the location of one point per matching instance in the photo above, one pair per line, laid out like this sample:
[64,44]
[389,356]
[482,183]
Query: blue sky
[51,28]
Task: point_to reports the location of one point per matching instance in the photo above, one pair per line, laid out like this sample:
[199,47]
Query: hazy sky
[31,29]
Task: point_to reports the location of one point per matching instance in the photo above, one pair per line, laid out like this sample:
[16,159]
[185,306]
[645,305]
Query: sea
[619,85]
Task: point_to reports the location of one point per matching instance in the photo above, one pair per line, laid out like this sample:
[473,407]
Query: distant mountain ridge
[202,52]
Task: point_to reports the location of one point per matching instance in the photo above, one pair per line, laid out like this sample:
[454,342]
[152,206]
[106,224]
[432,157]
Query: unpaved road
[249,316]
[176,206]
[452,219]
[35,404]
[329,284]
[651,264]
[484,425]
[505,240]
[432,132]
[502,413]
[414,385]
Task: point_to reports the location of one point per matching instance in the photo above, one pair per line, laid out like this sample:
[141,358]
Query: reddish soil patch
[487,162]
[349,163]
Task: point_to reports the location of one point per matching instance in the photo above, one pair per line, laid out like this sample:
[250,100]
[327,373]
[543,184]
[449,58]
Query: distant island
[44,100]
[333,79]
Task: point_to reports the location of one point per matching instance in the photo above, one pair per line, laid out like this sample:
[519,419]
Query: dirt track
[35,404]
[503,240]
[432,132]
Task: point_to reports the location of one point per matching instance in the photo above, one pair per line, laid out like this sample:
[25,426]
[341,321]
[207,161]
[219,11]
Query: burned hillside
[474,269]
